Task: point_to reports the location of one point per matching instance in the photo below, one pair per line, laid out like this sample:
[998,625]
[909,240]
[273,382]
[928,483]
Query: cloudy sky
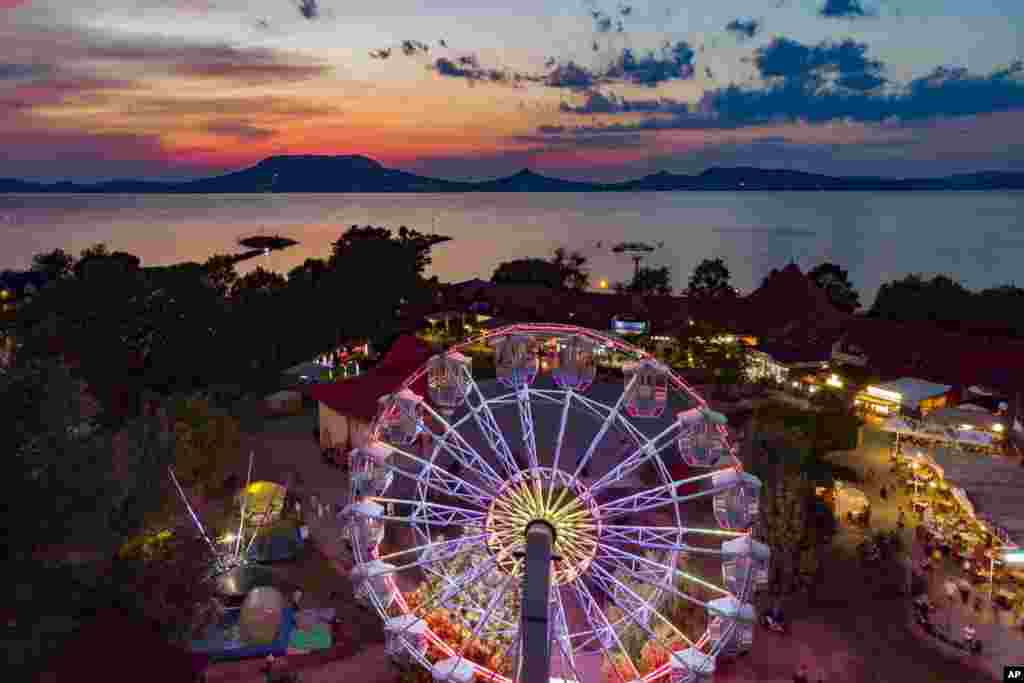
[459,89]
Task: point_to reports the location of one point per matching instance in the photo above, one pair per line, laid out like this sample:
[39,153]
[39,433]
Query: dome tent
[261,615]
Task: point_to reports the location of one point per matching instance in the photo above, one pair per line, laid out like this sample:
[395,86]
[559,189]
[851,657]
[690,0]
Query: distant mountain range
[314,173]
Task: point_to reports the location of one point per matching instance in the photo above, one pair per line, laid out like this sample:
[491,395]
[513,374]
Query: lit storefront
[764,367]
[878,401]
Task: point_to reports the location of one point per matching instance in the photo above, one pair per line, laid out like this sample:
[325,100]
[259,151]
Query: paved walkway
[1002,645]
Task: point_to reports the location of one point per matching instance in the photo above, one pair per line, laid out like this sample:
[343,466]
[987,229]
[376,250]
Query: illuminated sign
[628,326]
[885,394]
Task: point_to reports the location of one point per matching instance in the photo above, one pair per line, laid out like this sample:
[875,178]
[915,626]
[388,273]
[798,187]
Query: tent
[277,543]
[260,617]
[263,502]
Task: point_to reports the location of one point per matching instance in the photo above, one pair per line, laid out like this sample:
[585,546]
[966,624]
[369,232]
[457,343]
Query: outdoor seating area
[973,547]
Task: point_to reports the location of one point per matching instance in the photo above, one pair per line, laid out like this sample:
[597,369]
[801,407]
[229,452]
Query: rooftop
[914,390]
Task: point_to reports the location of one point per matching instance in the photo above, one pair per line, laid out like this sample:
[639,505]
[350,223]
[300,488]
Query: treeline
[129,328]
[942,301]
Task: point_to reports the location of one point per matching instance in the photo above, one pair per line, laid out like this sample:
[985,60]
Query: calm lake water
[975,237]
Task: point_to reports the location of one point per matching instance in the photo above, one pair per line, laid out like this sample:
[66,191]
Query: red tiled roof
[357,397]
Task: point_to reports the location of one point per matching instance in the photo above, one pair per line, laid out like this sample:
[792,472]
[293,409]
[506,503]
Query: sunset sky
[573,88]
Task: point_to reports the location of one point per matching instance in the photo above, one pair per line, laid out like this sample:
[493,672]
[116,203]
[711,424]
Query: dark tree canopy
[573,267]
[711,280]
[529,271]
[56,264]
[945,302]
[648,282]
[836,283]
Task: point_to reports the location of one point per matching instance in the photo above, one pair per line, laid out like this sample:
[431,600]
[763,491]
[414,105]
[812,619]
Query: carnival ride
[545,568]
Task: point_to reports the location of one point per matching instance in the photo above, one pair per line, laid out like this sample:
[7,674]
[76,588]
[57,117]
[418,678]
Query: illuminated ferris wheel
[534,521]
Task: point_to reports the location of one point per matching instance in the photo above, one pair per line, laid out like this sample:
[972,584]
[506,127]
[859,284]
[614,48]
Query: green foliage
[710,280]
[945,302]
[836,283]
[207,444]
[647,281]
[529,271]
[572,267]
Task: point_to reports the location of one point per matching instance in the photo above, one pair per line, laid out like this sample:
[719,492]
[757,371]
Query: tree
[836,283]
[709,347]
[573,268]
[56,264]
[784,526]
[220,269]
[256,282]
[529,271]
[207,443]
[648,282]
[710,280]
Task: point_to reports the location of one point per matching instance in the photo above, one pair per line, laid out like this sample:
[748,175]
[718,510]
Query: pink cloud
[11,4]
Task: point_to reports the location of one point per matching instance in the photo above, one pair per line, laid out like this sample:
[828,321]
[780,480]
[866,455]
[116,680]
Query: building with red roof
[347,408]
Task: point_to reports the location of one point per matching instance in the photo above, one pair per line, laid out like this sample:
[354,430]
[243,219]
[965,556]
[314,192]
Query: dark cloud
[570,75]
[240,130]
[844,9]
[830,82]
[442,43]
[675,63]
[467,67]
[263,23]
[625,10]
[412,47]
[382,53]
[309,9]
[708,73]
[743,28]
[789,63]
[600,103]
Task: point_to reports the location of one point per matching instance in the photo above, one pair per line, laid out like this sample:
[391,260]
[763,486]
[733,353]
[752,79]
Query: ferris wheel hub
[555,498]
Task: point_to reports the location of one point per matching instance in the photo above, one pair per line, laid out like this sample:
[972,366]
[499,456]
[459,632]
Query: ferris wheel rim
[535,329]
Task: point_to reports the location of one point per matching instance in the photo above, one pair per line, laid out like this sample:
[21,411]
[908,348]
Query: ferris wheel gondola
[476,462]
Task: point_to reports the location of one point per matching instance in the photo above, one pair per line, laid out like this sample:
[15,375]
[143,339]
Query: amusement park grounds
[853,627]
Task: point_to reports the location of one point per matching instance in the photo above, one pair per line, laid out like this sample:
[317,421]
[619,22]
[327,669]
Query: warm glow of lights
[812,389]
[834,381]
[966,427]
[603,284]
[1014,556]
[556,498]
[885,394]
[997,427]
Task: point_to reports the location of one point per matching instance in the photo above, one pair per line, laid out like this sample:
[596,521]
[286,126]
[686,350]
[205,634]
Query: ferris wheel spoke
[488,611]
[620,558]
[435,514]
[457,544]
[599,624]
[660,538]
[457,585]
[649,449]
[656,497]
[562,635]
[488,426]
[442,481]
[562,422]
[605,426]
[647,608]
[526,425]
[458,448]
